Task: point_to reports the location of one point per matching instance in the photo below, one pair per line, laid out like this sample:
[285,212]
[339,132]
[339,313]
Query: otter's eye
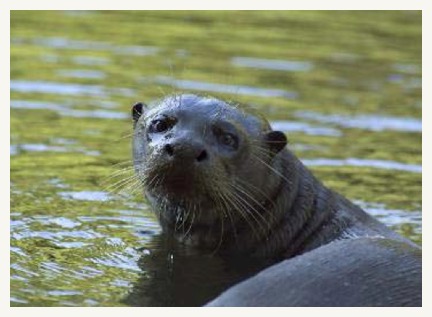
[160,125]
[228,139]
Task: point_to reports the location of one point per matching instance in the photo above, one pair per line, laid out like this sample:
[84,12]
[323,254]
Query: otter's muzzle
[186,151]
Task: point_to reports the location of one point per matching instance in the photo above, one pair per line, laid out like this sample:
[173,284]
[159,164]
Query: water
[222,88]
[46,87]
[366,122]
[348,99]
[278,65]
[69,44]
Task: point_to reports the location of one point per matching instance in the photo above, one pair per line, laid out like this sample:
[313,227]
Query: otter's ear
[276,141]
[137,111]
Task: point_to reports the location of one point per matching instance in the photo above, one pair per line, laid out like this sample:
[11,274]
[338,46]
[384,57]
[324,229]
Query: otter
[222,181]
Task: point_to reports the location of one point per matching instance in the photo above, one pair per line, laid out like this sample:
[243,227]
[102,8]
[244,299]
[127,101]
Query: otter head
[206,166]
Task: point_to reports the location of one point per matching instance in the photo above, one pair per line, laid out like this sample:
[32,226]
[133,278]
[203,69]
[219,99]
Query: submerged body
[220,180]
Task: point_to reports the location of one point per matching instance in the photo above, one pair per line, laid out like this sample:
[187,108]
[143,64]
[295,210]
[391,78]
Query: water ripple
[381,164]
[392,217]
[70,44]
[367,122]
[272,64]
[127,260]
[81,73]
[16,149]
[302,127]
[224,88]
[86,195]
[67,111]
[49,87]
[53,236]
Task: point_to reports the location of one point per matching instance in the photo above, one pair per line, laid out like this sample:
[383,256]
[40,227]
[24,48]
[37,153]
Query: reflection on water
[16,149]
[392,217]
[81,73]
[413,69]
[303,127]
[69,44]
[90,60]
[63,222]
[68,112]
[46,87]
[126,259]
[73,243]
[345,57]
[352,161]
[278,65]
[223,88]
[86,195]
[53,236]
[368,122]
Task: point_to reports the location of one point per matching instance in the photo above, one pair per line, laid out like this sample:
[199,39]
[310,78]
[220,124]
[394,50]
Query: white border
[195,5]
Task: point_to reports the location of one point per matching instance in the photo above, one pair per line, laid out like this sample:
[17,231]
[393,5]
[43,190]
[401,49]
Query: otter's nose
[186,151]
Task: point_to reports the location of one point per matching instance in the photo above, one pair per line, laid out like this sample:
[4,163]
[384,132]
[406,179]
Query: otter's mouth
[176,181]
[179,184]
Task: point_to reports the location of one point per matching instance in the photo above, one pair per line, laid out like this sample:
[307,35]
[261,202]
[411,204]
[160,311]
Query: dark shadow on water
[173,275]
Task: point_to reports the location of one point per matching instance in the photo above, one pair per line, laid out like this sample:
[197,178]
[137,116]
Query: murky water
[344,86]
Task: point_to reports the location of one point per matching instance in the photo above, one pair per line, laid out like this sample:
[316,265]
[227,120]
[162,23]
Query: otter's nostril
[169,149]
[202,156]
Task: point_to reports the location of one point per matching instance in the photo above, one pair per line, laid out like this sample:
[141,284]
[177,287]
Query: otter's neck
[314,215]
[304,206]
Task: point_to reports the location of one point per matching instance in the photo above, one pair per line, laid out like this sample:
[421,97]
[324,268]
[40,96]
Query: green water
[345,87]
